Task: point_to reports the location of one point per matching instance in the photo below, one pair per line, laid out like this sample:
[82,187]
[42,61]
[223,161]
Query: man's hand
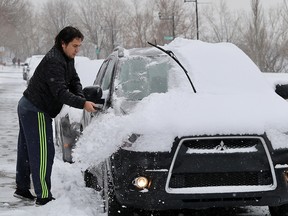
[89,106]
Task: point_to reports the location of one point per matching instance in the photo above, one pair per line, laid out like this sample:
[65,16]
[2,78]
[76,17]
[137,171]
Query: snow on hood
[233,97]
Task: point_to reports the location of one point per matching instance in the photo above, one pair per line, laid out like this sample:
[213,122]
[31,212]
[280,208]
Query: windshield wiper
[172,55]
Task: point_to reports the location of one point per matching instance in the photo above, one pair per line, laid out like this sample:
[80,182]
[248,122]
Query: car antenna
[172,55]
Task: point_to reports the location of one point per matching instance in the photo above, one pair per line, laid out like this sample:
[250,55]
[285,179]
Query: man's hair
[66,35]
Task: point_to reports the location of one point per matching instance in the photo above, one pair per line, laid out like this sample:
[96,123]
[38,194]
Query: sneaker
[43,201]
[23,194]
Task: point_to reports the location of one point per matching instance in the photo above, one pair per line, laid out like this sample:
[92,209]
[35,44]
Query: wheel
[279,210]
[111,206]
[91,181]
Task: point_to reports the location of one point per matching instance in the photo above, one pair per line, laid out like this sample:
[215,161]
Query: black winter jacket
[54,83]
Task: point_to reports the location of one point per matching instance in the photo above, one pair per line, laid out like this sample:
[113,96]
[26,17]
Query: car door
[107,81]
[104,79]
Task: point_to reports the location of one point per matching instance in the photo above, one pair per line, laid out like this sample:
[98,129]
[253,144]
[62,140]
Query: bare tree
[189,25]
[113,15]
[222,24]
[14,18]
[283,51]
[55,15]
[254,38]
[265,39]
[172,21]
[276,53]
[90,18]
[262,35]
[140,24]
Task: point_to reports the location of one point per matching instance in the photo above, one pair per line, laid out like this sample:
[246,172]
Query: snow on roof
[219,67]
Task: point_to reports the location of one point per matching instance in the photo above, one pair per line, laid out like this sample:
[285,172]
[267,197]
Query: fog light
[141,182]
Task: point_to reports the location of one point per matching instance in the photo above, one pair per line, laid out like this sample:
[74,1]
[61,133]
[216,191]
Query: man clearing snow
[54,83]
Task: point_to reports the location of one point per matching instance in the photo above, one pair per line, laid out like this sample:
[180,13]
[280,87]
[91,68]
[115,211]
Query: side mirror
[282,90]
[94,94]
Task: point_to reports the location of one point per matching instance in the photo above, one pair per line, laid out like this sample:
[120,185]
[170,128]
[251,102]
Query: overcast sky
[234,4]
[245,4]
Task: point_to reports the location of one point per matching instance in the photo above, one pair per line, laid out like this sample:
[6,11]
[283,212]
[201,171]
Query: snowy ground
[72,197]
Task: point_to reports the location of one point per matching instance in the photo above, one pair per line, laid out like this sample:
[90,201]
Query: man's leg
[22,167]
[43,155]
[38,133]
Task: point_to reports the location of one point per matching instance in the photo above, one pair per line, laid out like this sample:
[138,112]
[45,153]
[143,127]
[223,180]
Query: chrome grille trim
[222,189]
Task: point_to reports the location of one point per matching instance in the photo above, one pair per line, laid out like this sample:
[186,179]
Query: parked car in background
[25,68]
[221,145]
[279,81]
[67,122]
[33,63]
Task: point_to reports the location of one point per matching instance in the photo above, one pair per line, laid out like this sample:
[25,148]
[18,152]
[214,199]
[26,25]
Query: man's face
[72,48]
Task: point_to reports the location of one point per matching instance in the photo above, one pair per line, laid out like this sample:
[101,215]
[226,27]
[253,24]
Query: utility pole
[112,30]
[197,20]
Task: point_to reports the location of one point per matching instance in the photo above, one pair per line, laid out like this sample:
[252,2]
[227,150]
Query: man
[54,83]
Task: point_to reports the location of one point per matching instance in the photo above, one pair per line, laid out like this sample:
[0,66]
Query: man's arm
[55,75]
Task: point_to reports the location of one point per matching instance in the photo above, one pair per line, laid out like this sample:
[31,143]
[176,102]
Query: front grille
[233,161]
[229,142]
[223,179]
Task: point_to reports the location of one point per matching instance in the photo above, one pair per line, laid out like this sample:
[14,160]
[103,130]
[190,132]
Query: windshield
[140,76]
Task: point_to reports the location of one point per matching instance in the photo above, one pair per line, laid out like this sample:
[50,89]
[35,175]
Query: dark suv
[198,170]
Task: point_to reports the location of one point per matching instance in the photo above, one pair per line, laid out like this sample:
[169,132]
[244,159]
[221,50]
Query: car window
[105,85]
[140,76]
[101,72]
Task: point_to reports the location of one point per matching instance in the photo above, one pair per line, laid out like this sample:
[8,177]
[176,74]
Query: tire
[91,181]
[111,206]
[279,210]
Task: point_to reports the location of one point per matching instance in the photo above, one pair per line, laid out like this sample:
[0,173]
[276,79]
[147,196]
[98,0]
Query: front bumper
[235,176]
[157,198]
